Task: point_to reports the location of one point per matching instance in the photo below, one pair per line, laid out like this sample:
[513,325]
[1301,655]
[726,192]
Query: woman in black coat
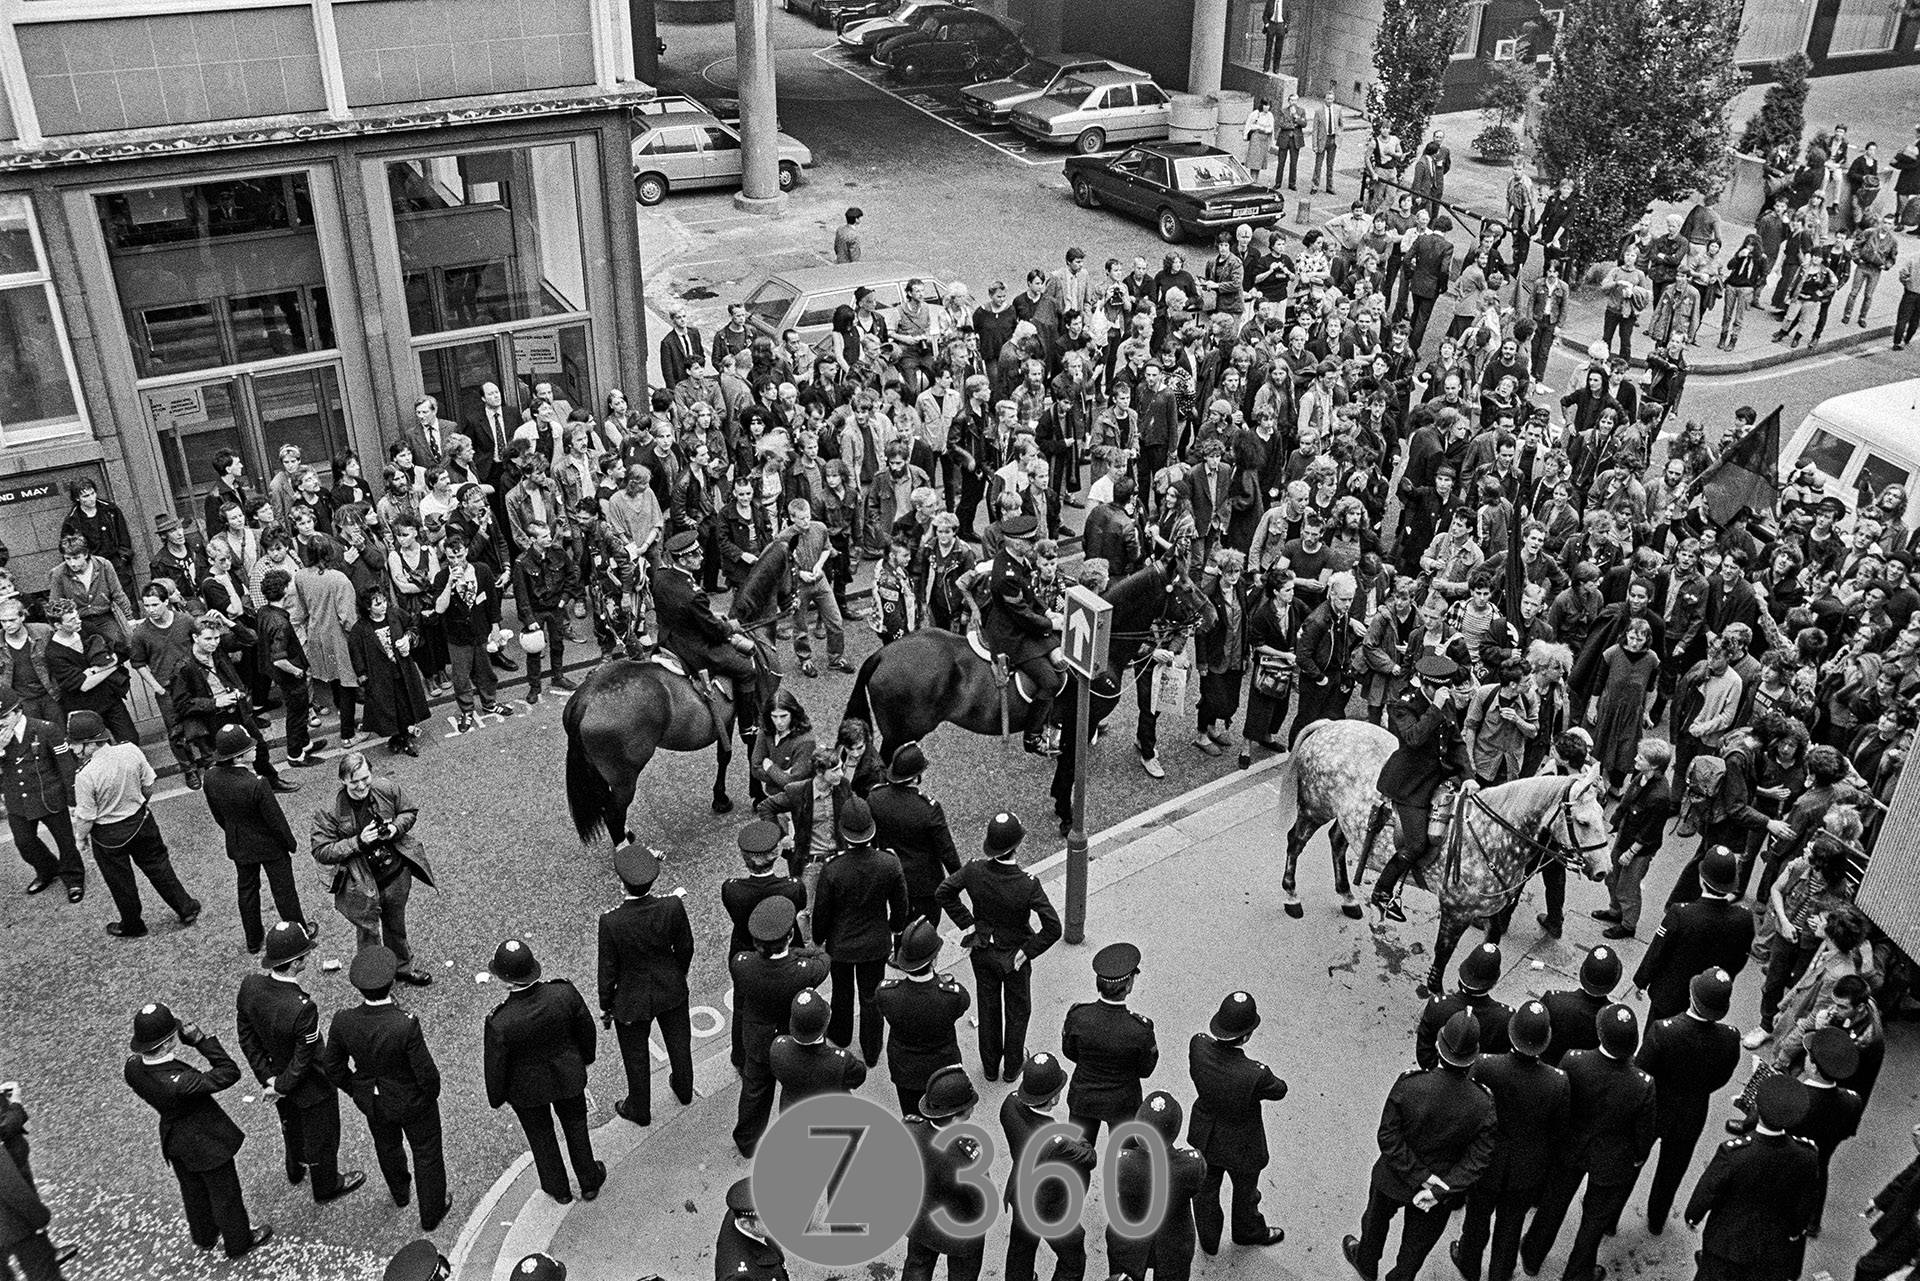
[1272,627]
[393,694]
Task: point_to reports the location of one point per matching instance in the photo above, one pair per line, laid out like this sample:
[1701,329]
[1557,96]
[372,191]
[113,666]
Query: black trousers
[215,1209]
[420,1131]
[861,979]
[676,1034]
[1500,1213]
[1677,1142]
[553,622]
[1005,992]
[1320,703]
[1421,1233]
[1023,1247]
[538,1121]
[286,896]
[1422,312]
[26,838]
[1906,321]
[298,700]
[1147,728]
[35,1257]
[346,701]
[925,908]
[312,1139]
[1247,1220]
[963,1264]
[138,843]
[1599,1209]
[756,1086]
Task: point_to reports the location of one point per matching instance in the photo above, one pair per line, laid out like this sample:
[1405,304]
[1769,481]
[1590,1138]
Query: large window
[1864,26]
[489,237]
[39,396]
[1468,46]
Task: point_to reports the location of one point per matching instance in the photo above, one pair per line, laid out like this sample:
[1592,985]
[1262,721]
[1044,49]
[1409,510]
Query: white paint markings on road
[1007,141]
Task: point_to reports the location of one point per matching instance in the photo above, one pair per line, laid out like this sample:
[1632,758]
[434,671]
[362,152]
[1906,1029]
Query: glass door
[301,407]
[453,375]
[250,414]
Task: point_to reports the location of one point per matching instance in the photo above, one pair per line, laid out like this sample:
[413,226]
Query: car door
[719,156]
[1153,113]
[1115,113]
[1120,186]
[1150,189]
[674,152]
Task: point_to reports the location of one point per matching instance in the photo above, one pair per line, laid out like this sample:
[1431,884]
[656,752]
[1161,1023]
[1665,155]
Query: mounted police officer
[1427,721]
[1018,628]
[692,632]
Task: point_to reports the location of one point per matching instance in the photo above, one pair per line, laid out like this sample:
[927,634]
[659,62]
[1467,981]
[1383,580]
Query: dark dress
[1266,625]
[1617,716]
[394,696]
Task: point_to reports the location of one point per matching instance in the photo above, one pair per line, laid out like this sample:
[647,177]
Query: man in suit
[490,426]
[1228,1128]
[37,769]
[1714,931]
[427,436]
[1329,118]
[1010,922]
[1689,1056]
[539,1043]
[1759,1194]
[1640,824]
[1025,1112]
[860,905]
[1112,1047]
[914,827]
[258,837]
[280,1035]
[1574,1011]
[1479,971]
[377,1053]
[1530,1101]
[804,1062]
[1429,270]
[765,981]
[646,948]
[759,849]
[367,836]
[197,1137]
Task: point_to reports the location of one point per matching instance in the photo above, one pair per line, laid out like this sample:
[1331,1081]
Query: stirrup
[1389,908]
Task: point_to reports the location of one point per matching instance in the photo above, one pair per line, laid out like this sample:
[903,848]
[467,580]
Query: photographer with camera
[365,836]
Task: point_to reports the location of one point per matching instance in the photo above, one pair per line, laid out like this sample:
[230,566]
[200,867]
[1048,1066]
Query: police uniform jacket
[1169,1251]
[1005,906]
[1758,1195]
[1112,1050]
[923,1020]
[195,1131]
[248,814]
[1226,1126]
[818,1068]
[37,769]
[22,1212]
[914,827]
[688,627]
[1014,622]
[739,1257]
[1492,1014]
[1899,1203]
[646,945]
[1021,1124]
[1434,1123]
[1693,937]
[1431,749]
[1611,1123]
[1832,1118]
[741,894]
[1689,1060]
[378,1054]
[538,1044]
[280,1035]
[966,1202]
[764,988]
[1574,1018]
[860,903]
[1530,1102]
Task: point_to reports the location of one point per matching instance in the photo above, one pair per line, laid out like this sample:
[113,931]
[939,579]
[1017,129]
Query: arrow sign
[1089,627]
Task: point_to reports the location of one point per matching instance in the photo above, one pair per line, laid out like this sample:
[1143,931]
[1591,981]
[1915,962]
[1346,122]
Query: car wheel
[650,189]
[1084,195]
[1091,142]
[789,175]
[1167,223]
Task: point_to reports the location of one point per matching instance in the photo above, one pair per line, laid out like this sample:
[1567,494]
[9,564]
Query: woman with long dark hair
[381,646]
[1273,625]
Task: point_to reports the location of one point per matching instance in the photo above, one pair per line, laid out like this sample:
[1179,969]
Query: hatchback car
[807,299]
[841,13]
[865,37]
[951,43]
[995,100]
[1182,188]
[1097,107]
[684,149]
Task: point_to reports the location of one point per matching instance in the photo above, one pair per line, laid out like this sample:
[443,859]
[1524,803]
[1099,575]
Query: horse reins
[1562,813]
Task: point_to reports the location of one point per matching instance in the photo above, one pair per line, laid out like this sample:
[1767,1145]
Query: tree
[1503,105]
[1635,109]
[1412,48]
[1782,118]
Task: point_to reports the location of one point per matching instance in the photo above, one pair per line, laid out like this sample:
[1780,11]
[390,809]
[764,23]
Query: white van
[1862,442]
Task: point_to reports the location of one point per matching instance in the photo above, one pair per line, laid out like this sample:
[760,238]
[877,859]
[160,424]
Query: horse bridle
[1569,851]
[1160,633]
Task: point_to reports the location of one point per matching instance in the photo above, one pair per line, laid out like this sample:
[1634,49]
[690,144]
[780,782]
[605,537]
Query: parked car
[865,37]
[806,299]
[682,149]
[995,100]
[1182,188]
[1097,107]
[840,13]
[951,43]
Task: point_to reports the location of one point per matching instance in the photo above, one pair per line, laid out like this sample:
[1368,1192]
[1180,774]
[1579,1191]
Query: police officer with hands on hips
[1427,719]
[377,1053]
[923,1010]
[538,1045]
[1023,1114]
[804,1062]
[1229,1130]
[1690,1056]
[759,849]
[1759,1194]
[744,1251]
[1010,922]
[1530,1101]
[646,948]
[1479,971]
[949,1098]
[1168,1251]
[765,981]
[1112,1048]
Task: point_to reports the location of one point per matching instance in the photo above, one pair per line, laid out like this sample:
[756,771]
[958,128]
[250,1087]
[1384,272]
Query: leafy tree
[1783,115]
[1412,48]
[1503,105]
[1635,109]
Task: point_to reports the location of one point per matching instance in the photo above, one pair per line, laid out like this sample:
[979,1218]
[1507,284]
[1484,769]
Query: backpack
[1701,803]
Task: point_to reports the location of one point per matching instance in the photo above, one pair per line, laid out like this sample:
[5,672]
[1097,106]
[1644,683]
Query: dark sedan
[868,34]
[841,13]
[1182,188]
[952,44]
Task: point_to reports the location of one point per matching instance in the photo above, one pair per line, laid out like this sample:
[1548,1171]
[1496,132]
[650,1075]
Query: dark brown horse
[627,710]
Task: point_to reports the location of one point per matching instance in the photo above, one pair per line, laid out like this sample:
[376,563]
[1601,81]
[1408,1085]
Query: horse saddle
[670,661]
[978,644]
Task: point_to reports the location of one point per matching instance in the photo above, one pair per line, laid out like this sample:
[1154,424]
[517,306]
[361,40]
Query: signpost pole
[1075,928]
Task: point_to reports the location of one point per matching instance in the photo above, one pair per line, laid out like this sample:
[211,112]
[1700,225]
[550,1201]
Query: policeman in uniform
[1833,1111]
[1759,1194]
[804,1062]
[860,905]
[1714,931]
[1611,1124]
[1437,1134]
[36,781]
[1530,1101]
[1479,971]
[1112,1048]
[1576,1014]
[692,632]
[538,1044]
[646,948]
[539,1267]
[923,1012]
[765,981]
[744,1251]
[1018,628]
[418,1261]
[948,1099]
[1023,1114]
[280,1035]
[1168,1251]
[1427,719]
[1228,1128]
[1010,922]
[913,825]
[1689,1056]
[759,850]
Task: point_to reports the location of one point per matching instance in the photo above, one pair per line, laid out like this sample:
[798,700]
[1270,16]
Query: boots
[1386,890]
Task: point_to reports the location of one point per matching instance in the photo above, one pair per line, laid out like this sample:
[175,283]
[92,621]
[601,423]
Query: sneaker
[1151,764]
[839,663]
[808,669]
[466,724]
[1756,1038]
[496,709]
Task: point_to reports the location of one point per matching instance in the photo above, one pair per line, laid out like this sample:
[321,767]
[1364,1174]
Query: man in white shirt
[110,813]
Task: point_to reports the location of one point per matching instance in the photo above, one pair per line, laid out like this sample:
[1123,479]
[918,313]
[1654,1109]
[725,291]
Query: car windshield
[1070,92]
[1036,74]
[1209,173]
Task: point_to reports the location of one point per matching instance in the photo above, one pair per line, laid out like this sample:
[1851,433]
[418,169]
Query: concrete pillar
[1209,46]
[1044,31]
[759,141]
[646,41]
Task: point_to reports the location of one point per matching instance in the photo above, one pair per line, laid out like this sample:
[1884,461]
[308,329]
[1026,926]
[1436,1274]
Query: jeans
[382,918]
[1734,312]
[819,594]
[1864,279]
[1907,320]
[298,700]
[473,680]
[1614,322]
[1544,333]
[1623,889]
[553,623]
[286,896]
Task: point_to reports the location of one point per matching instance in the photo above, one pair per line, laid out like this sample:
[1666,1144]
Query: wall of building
[1140,33]
[412,50]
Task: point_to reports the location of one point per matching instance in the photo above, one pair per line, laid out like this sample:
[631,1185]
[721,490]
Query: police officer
[1833,1111]
[418,1261]
[646,948]
[1437,1134]
[759,850]
[1714,931]
[948,1099]
[1018,628]
[1689,1056]
[1530,1101]
[1228,1128]
[1168,1251]
[1010,922]
[914,826]
[1611,1124]
[692,632]
[923,1012]
[36,781]
[539,1267]
[1024,1113]
[1427,719]
[538,1045]
[765,981]
[1112,1048]
[377,1053]
[1479,971]
[1759,1194]
[1576,1014]
[804,1062]
[744,1251]
[280,1035]
[860,904]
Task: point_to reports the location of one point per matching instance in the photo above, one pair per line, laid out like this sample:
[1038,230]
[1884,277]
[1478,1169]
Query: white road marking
[919,102]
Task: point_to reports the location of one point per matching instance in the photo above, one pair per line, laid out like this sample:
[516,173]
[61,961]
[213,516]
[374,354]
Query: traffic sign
[1089,630]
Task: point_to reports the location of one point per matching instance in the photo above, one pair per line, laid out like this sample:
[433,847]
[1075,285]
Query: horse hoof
[1423,992]
[722,805]
[1294,910]
[1352,911]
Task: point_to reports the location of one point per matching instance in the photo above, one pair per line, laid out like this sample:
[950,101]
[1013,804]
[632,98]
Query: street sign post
[1089,632]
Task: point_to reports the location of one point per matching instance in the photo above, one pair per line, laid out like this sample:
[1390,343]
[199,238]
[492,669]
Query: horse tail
[589,798]
[859,706]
